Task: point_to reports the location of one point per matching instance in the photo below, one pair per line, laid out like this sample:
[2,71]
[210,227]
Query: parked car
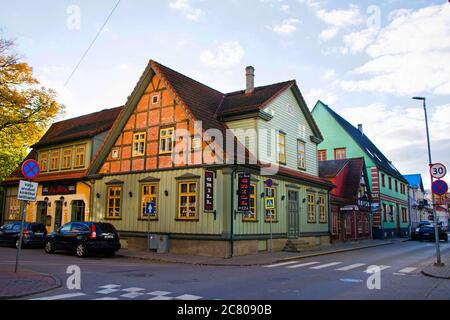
[84,238]
[415,232]
[427,233]
[33,234]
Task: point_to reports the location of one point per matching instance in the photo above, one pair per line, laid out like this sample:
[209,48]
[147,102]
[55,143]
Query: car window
[66,227]
[7,226]
[37,228]
[16,227]
[106,228]
[77,227]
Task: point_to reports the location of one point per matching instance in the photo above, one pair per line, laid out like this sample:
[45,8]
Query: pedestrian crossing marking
[132,295]
[107,291]
[302,265]
[62,296]
[408,270]
[110,286]
[159,293]
[352,266]
[379,268]
[133,289]
[325,265]
[161,298]
[188,297]
[280,264]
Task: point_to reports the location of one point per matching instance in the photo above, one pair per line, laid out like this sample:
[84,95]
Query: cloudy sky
[366,59]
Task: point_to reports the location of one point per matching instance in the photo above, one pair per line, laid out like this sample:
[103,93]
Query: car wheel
[81,250]
[49,247]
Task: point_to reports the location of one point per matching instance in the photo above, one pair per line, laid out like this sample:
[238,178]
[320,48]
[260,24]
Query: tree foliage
[26,108]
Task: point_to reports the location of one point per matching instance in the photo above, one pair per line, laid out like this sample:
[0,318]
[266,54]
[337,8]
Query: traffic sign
[30,169]
[438,170]
[439,187]
[27,190]
[149,208]
[270,203]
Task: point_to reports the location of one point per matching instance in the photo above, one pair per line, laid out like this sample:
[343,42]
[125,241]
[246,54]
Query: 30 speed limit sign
[438,170]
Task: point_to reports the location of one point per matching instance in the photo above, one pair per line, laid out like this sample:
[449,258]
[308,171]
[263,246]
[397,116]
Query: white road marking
[110,286]
[132,295]
[159,293]
[352,266]
[381,268]
[280,264]
[302,265]
[325,265]
[107,298]
[62,296]
[399,274]
[107,291]
[351,280]
[133,289]
[408,270]
[161,298]
[188,297]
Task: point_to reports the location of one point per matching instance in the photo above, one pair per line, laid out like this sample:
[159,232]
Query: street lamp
[436,231]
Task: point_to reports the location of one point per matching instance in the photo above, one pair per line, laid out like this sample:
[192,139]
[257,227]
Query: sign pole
[271,236]
[148,232]
[19,249]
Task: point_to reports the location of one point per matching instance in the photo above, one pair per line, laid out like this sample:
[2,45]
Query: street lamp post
[436,231]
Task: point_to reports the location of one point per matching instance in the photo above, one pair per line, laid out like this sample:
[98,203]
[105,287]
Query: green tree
[26,108]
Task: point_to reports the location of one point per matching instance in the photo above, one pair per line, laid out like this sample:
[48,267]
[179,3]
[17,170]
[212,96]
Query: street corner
[436,271]
[25,283]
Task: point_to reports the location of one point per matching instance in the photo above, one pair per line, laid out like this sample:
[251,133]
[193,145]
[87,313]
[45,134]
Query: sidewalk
[253,260]
[439,272]
[24,282]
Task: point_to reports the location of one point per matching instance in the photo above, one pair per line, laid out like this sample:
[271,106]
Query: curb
[432,275]
[334,251]
[254,264]
[56,285]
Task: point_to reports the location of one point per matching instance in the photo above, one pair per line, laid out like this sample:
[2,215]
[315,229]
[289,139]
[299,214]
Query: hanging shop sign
[54,189]
[209,191]
[244,192]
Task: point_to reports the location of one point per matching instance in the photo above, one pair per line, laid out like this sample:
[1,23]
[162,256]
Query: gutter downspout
[232,213]
[91,198]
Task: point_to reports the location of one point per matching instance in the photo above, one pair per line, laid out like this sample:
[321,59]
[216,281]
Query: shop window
[114,201]
[166,140]
[139,144]
[149,193]
[251,215]
[322,209]
[80,156]
[311,207]
[78,210]
[301,155]
[14,209]
[271,192]
[281,148]
[187,200]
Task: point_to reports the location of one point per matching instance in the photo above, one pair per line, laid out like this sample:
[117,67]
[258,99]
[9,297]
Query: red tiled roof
[82,127]
[239,102]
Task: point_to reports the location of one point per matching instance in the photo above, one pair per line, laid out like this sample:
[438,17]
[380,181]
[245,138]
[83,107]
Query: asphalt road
[335,276]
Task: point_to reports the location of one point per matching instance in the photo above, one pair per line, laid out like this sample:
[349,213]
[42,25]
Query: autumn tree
[26,108]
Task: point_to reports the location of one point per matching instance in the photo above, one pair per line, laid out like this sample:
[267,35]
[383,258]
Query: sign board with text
[27,190]
[244,190]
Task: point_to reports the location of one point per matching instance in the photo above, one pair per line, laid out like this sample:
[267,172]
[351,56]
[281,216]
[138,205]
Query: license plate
[108,236]
[39,234]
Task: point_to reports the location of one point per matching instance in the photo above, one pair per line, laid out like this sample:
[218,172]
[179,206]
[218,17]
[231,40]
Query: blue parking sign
[150,208]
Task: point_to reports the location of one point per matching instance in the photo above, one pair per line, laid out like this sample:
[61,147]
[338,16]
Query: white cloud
[286,27]
[313,4]
[185,7]
[225,56]
[338,19]
[285,8]
[330,74]
[315,94]
[357,41]
[408,56]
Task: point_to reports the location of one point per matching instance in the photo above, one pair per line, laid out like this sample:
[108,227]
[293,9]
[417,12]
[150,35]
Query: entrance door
[58,214]
[78,208]
[398,218]
[293,218]
[41,213]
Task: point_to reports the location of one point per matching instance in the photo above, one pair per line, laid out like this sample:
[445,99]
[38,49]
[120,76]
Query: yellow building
[64,153]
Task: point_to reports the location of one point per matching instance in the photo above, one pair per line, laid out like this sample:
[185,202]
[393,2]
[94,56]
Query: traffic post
[27,192]
[149,211]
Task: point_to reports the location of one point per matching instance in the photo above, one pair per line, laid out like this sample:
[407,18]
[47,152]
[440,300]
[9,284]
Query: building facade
[350,200]
[388,187]
[419,206]
[226,172]
[64,153]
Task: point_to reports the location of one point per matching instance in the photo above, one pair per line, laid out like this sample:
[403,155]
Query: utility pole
[436,230]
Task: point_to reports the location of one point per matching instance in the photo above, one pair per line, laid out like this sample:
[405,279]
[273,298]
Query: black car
[84,238]
[427,233]
[33,234]
[415,232]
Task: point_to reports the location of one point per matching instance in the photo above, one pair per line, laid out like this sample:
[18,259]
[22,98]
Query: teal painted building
[342,140]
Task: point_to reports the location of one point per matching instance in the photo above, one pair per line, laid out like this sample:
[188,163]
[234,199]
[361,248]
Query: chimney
[250,80]
[360,128]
